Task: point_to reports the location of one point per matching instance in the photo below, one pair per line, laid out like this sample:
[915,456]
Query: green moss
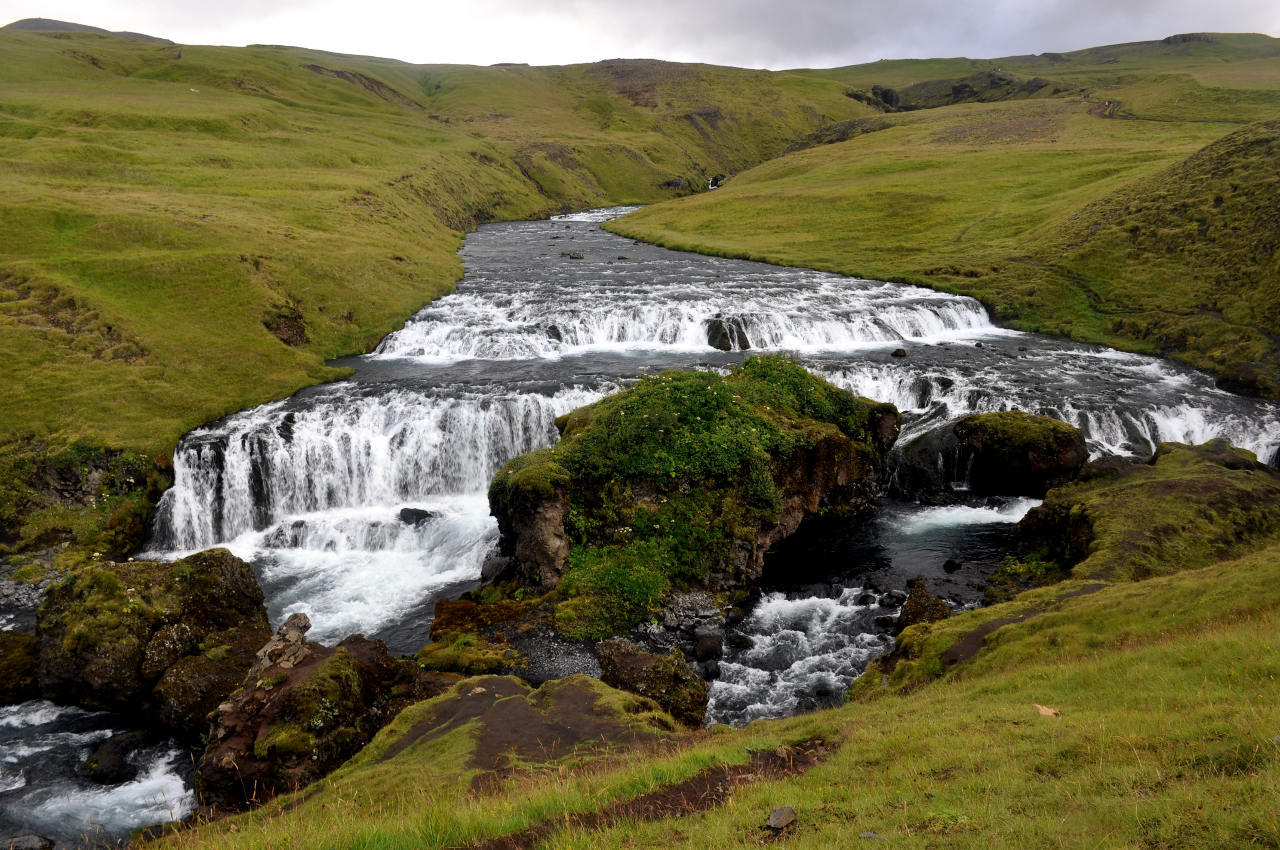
[1189,507]
[284,741]
[469,655]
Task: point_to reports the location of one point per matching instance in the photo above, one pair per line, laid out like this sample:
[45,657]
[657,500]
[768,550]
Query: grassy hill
[1113,211]
[163,208]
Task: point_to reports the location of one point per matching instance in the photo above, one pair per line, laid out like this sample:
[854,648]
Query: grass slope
[1168,697]
[161,205]
[1147,224]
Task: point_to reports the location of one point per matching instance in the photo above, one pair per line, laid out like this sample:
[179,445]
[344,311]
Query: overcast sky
[749,33]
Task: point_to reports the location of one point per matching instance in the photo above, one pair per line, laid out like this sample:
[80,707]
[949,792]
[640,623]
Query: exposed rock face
[921,606]
[167,641]
[1009,453]
[665,679]
[302,711]
[694,623]
[1187,507]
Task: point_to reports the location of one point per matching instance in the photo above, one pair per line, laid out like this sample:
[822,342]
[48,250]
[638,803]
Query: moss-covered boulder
[665,679]
[303,710]
[19,662]
[163,641]
[1188,507]
[688,478]
[1009,453]
[921,606]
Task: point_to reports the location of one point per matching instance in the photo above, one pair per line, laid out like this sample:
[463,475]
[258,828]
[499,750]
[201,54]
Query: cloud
[753,33]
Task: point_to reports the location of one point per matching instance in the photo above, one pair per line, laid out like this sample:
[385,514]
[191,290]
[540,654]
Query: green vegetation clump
[84,501]
[671,482]
[1187,508]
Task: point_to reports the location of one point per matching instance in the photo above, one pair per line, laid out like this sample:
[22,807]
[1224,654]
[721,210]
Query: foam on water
[36,713]
[950,516]
[158,795]
[803,653]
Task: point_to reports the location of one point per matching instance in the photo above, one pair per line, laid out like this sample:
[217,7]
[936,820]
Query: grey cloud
[815,33]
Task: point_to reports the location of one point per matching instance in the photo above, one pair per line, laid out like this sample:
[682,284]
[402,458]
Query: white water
[41,748]
[805,649]
[311,489]
[158,795]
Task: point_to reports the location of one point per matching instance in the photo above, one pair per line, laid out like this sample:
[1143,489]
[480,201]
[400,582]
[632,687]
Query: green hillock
[677,479]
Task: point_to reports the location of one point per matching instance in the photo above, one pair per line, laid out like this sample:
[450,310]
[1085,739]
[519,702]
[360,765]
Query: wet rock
[109,764]
[158,641]
[1008,453]
[302,711]
[727,335]
[416,516]
[921,606]
[899,352]
[665,679]
[19,664]
[951,565]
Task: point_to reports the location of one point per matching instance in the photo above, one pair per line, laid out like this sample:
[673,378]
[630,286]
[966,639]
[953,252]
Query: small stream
[363,501]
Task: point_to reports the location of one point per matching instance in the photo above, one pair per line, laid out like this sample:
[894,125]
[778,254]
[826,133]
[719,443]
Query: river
[361,502]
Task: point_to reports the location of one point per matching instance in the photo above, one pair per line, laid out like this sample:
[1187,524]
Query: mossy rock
[1007,453]
[1187,507]
[19,663]
[132,636]
[665,679]
[685,479]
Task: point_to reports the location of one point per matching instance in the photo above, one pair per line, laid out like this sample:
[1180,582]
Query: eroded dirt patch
[696,794]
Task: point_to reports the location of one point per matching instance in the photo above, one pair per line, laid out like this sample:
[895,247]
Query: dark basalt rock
[109,764]
[1008,453]
[416,516]
[921,606]
[727,335]
[665,679]
[302,710]
[158,641]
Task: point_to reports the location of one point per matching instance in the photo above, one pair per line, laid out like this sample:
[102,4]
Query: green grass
[1168,698]
[158,203]
[1148,231]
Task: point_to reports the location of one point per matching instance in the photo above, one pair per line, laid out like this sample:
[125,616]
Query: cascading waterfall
[360,501]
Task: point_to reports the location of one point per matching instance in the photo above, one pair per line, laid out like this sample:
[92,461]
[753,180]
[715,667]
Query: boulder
[158,641]
[706,475]
[921,606]
[1009,453]
[302,711]
[665,679]
[109,764]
